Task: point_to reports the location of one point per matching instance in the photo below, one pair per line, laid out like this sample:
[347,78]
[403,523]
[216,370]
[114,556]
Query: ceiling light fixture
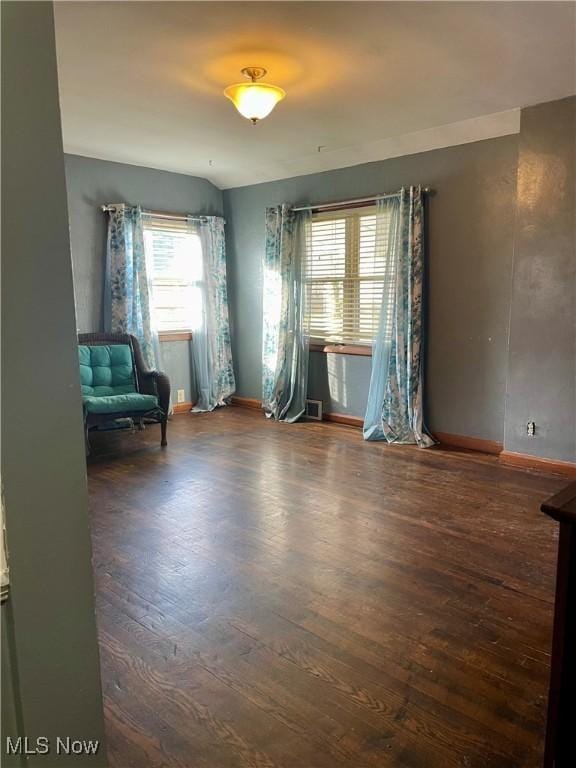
[254,100]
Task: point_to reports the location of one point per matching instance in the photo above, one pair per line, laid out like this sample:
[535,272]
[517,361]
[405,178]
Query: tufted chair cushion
[106,370]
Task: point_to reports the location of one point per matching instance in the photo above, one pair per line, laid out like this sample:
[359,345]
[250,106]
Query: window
[174,255]
[346,274]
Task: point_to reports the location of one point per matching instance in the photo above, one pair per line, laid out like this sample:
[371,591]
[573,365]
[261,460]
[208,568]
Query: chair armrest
[156,383]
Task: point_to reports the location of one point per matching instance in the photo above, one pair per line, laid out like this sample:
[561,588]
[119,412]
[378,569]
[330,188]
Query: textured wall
[52,657]
[471,244]
[177,362]
[93,182]
[542,363]
[471,223]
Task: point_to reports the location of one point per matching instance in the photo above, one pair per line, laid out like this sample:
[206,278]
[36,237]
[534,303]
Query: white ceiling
[141,82]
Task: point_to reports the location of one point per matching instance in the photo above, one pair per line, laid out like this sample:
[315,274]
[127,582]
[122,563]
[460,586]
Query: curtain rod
[343,203]
[157,214]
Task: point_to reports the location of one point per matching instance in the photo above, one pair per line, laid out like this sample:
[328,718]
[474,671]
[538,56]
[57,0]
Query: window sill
[174,336]
[342,349]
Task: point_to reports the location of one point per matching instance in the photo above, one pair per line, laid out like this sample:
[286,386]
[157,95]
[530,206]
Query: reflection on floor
[289,596]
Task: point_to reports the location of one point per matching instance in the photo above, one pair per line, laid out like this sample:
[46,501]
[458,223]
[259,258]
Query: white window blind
[346,274]
[174,257]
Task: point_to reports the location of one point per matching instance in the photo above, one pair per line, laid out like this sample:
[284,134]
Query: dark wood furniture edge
[562,506]
[560,746]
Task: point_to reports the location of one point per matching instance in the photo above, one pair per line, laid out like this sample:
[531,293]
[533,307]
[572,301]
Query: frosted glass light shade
[254,100]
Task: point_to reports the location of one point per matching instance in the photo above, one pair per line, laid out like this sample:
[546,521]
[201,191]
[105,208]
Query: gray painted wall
[542,362]
[471,228]
[93,182]
[471,246]
[11,709]
[177,362]
[51,657]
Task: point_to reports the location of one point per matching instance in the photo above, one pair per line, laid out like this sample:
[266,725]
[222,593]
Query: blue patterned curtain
[285,336]
[211,338]
[127,293]
[394,410]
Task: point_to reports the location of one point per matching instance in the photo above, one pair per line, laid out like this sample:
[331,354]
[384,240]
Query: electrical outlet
[531,429]
[181,395]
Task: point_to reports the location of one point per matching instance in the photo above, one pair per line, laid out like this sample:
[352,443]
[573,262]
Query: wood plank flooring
[289,596]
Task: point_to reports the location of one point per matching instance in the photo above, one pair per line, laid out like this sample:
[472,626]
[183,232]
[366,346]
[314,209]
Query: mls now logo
[23,745]
[68,746]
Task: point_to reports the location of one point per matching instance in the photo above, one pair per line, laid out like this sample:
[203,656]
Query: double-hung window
[346,273]
[174,258]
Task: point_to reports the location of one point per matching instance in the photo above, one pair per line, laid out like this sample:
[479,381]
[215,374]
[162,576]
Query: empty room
[288,384]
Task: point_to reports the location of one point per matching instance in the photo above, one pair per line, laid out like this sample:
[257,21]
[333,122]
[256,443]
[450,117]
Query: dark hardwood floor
[289,596]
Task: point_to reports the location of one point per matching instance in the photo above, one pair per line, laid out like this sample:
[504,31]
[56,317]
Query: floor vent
[314,410]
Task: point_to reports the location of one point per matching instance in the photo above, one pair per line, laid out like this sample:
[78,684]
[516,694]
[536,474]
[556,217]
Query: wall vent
[314,410]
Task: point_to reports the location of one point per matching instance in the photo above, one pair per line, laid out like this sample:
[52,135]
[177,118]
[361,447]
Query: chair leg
[86,439]
[163,431]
